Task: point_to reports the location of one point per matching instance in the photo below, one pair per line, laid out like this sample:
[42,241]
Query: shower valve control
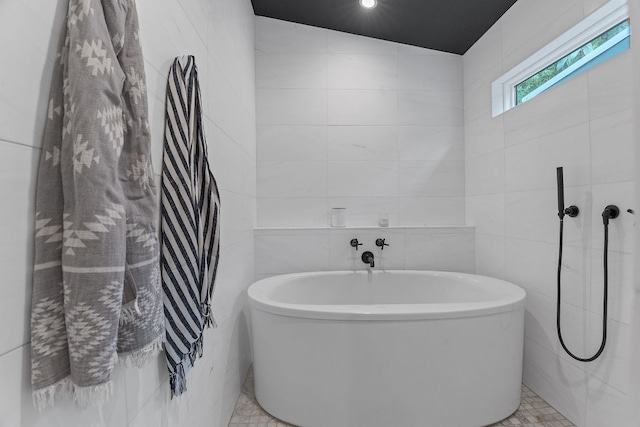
[381,244]
[355,244]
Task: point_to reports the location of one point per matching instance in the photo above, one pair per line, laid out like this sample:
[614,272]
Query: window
[586,56]
[600,36]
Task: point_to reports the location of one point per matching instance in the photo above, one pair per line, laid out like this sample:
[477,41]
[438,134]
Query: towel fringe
[141,357]
[98,394]
[207,315]
[178,381]
[82,396]
[178,378]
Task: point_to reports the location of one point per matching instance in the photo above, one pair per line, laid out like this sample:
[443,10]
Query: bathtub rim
[258,299]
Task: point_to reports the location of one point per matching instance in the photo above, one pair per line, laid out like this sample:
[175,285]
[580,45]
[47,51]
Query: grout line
[20,144]
[6,353]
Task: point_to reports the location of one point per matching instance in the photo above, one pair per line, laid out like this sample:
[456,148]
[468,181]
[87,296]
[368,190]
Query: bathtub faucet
[367,258]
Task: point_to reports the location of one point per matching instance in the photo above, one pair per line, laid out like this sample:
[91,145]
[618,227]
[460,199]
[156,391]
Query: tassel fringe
[82,396]
[178,379]
[141,357]
[98,394]
[207,315]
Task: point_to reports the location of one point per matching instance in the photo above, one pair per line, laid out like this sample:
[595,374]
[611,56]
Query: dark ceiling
[446,25]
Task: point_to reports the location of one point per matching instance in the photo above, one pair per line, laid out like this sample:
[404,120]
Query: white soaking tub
[394,348]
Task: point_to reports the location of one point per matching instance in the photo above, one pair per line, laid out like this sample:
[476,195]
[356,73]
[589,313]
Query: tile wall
[634,380]
[221,35]
[584,125]
[366,124]
[355,122]
[293,250]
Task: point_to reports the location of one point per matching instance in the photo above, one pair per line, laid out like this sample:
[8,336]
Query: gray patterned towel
[96,284]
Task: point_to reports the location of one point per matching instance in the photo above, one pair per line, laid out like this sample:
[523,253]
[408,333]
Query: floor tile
[533,412]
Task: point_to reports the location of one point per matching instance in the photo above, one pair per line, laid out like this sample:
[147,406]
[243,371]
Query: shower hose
[605,298]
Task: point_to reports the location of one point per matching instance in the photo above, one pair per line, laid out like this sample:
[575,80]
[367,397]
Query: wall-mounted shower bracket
[610,212]
[572,211]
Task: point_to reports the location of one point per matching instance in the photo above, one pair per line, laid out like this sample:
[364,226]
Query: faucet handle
[355,244]
[381,244]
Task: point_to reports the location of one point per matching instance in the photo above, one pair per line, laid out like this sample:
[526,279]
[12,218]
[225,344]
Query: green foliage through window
[554,70]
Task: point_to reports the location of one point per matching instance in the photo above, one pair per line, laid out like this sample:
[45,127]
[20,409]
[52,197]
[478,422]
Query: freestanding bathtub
[387,349]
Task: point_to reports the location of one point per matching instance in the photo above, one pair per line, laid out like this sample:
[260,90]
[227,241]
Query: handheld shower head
[560,180]
[572,210]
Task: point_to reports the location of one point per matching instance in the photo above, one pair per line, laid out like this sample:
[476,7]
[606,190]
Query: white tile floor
[533,412]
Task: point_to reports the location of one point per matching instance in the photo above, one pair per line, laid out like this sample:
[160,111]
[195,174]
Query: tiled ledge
[280,250]
[358,227]
[261,230]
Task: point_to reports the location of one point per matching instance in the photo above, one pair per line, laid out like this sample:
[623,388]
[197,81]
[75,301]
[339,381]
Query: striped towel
[190,206]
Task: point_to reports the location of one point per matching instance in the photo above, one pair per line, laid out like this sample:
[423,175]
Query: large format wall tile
[338,42]
[33,27]
[275,36]
[487,213]
[531,165]
[293,212]
[362,71]
[585,125]
[16,403]
[292,143]
[18,170]
[291,106]
[430,107]
[611,142]
[430,72]
[434,211]
[556,380]
[290,250]
[292,179]
[364,211]
[220,35]
[292,71]
[429,179]
[485,174]
[483,137]
[441,249]
[606,405]
[363,143]
[563,106]
[490,256]
[433,143]
[360,105]
[363,179]
[609,85]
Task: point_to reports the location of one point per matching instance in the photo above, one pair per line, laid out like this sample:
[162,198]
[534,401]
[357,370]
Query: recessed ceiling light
[368,4]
